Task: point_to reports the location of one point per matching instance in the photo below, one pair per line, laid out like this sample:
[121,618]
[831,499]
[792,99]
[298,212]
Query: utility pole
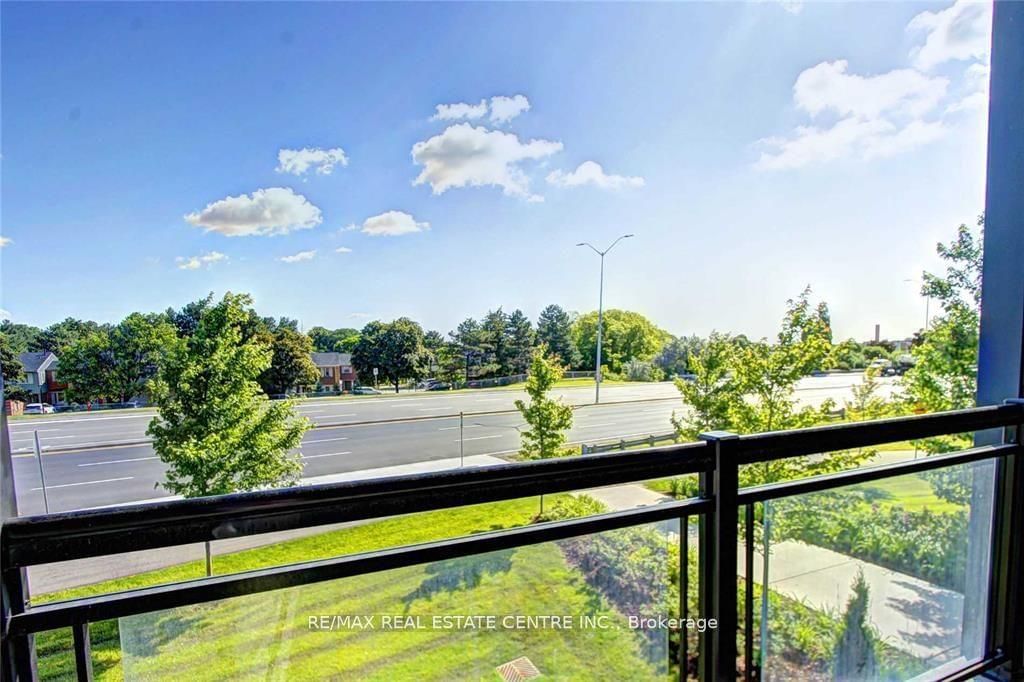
[600,313]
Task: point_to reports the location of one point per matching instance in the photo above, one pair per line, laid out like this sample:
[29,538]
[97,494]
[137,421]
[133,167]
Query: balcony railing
[719,510]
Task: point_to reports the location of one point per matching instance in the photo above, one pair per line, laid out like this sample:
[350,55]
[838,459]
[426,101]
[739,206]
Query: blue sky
[155,152]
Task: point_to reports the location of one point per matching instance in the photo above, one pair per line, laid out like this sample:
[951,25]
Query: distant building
[40,377]
[335,370]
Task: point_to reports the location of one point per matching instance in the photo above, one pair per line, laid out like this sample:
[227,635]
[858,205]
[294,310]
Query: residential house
[336,370]
[40,377]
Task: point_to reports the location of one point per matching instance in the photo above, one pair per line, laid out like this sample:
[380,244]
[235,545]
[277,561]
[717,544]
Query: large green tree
[60,335]
[116,362]
[554,331]
[341,340]
[547,418]
[394,348]
[712,394]
[216,432]
[21,337]
[471,344]
[627,335]
[674,357]
[520,343]
[10,365]
[291,363]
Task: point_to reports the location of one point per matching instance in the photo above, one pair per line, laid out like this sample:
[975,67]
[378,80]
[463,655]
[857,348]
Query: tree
[187,319]
[944,375]
[554,331]
[60,335]
[20,337]
[674,357]
[548,418]
[116,362]
[855,659]
[10,364]
[216,432]
[641,370]
[394,348]
[468,339]
[626,336]
[494,329]
[87,366]
[848,354]
[520,343]
[291,363]
[137,346]
[712,393]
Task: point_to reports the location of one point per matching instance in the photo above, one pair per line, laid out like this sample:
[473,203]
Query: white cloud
[976,81]
[298,257]
[343,249]
[591,173]
[390,224]
[360,316]
[466,155]
[272,211]
[452,112]
[4,315]
[299,161]
[960,32]
[792,6]
[196,262]
[4,241]
[828,87]
[879,116]
[504,109]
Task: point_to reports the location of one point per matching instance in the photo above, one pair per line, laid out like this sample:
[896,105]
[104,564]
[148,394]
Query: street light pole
[600,313]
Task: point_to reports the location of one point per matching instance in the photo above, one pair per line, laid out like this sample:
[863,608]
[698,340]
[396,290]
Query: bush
[928,545]
[641,370]
[571,507]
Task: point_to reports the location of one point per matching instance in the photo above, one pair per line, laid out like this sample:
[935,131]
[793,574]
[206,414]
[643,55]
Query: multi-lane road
[91,460]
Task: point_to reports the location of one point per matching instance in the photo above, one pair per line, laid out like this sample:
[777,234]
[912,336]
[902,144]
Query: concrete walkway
[910,614]
[67,574]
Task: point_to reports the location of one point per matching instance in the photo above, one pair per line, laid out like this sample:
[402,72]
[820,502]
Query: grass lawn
[247,637]
[913,493]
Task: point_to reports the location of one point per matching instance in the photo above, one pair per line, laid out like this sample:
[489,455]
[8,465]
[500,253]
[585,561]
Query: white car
[38,408]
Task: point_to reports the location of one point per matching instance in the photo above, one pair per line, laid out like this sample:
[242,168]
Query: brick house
[335,370]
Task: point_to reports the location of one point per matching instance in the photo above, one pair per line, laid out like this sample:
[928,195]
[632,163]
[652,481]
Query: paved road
[113,474]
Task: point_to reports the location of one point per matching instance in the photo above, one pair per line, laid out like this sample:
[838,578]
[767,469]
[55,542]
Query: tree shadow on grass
[460,574]
[145,635]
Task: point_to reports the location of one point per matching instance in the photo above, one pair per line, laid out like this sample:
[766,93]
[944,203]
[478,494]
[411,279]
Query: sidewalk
[910,614]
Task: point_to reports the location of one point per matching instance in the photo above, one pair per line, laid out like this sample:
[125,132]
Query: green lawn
[912,492]
[248,637]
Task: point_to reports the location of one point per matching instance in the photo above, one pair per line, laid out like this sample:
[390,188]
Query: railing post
[718,655]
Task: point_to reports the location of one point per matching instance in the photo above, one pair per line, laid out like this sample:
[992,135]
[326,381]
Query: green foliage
[929,545]
[676,356]
[521,341]
[571,507]
[711,394]
[626,336]
[641,370]
[547,419]
[944,376]
[13,371]
[866,403]
[117,362]
[21,337]
[684,487]
[341,340]
[554,330]
[216,431]
[291,363]
[854,659]
[394,348]
[57,337]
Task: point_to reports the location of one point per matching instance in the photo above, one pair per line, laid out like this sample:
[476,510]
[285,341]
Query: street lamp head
[627,236]
[581,244]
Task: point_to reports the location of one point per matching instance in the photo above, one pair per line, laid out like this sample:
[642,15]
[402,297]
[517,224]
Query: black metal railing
[34,540]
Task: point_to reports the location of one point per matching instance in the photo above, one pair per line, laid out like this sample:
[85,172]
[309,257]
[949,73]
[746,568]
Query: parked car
[439,386]
[366,390]
[38,408]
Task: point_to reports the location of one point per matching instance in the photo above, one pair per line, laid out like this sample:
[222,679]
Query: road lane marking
[323,440]
[467,426]
[433,409]
[595,426]
[69,485]
[500,435]
[117,461]
[89,419]
[329,454]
